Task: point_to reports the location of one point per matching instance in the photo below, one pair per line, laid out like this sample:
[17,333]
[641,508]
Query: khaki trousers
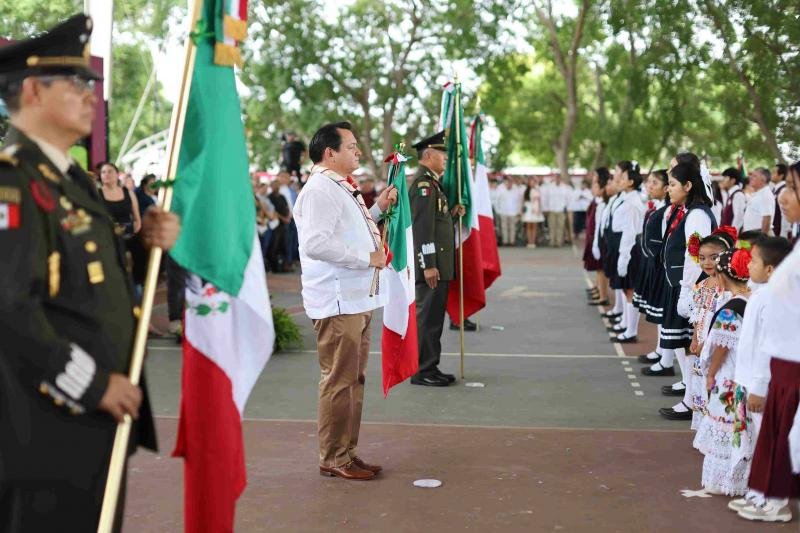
[343,347]
[508,226]
[556,223]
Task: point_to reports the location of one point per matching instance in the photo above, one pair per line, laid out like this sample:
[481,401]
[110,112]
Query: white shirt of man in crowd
[556,195]
[580,199]
[760,206]
[733,191]
[509,198]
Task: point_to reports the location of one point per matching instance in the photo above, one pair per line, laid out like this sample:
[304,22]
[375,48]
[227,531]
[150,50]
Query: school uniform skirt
[628,281]
[606,256]
[676,331]
[771,472]
[655,293]
[642,283]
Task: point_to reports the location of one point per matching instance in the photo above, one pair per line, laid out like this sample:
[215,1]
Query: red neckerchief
[352,182]
[677,219]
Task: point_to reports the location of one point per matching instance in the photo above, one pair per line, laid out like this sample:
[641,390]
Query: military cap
[434,141]
[64,49]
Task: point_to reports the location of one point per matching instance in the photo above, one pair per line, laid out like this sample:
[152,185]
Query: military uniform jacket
[433,228]
[66,321]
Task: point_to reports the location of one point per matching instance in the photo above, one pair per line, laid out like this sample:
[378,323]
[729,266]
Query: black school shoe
[647,371]
[616,329]
[666,388]
[624,340]
[646,360]
[598,302]
[671,414]
[612,316]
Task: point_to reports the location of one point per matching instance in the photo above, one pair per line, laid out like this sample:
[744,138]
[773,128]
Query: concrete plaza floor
[564,435]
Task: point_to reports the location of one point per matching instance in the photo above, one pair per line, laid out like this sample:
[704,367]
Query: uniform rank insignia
[95,271]
[76,222]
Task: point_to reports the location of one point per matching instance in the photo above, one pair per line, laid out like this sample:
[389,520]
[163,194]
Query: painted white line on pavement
[638,393]
[470,354]
[635,384]
[631,376]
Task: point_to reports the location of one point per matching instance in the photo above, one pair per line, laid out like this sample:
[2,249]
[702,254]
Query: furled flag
[399,339]
[228,330]
[483,205]
[458,174]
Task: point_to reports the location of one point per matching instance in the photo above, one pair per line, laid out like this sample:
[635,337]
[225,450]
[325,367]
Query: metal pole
[120,450]
[459,148]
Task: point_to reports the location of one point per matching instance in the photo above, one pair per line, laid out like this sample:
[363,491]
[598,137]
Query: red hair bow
[740,263]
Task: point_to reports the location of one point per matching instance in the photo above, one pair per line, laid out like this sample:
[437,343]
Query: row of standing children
[695,281]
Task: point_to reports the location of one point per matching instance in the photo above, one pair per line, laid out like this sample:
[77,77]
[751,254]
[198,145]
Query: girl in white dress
[532,215]
[726,416]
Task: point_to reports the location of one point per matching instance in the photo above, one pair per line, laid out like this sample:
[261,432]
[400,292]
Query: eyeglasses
[79,83]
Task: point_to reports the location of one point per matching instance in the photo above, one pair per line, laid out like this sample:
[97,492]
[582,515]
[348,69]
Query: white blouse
[782,311]
[628,219]
[598,217]
[752,368]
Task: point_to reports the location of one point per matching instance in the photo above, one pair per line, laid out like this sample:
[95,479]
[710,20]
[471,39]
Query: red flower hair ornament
[693,247]
[728,230]
[740,263]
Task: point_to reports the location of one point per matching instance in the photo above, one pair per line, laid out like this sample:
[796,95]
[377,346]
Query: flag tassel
[122,436]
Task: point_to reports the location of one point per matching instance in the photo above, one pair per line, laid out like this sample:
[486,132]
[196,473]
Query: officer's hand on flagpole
[431,277]
[387,197]
[121,398]
[160,228]
[377,258]
[458,211]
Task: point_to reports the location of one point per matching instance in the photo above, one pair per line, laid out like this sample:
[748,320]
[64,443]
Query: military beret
[64,49]
[434,141]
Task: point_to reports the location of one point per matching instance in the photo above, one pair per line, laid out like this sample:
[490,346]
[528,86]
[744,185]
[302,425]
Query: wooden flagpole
[459,148]
[119,451]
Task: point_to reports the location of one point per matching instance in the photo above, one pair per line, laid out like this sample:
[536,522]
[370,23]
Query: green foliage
[287,333]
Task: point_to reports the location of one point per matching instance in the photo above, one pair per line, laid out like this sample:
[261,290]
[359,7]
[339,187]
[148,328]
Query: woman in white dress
[532,216]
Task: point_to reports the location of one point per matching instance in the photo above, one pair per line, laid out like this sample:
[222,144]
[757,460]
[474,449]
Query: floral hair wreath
[735,263]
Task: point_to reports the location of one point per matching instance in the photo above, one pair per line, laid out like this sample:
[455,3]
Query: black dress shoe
[647,371]
[598,302]
[430,381]
[468,325]
[611,316]
[625,340]
[646,360]
[449,377]
[616,329]
[671,414]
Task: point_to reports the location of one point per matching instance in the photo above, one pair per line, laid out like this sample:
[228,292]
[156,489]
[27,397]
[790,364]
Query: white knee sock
[624,318]
[667,357]
[619,301]
[680,354]
[633,321]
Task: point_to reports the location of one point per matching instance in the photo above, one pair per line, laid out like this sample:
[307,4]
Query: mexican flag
[483,205]
[228,331]
[399,339]
[457,172]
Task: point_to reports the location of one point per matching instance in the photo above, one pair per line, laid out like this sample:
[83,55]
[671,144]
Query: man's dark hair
[146,180]
[773,249]
[782,170]
[732,173]
[327,136]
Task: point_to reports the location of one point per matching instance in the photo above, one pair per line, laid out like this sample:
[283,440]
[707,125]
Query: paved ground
[564,436]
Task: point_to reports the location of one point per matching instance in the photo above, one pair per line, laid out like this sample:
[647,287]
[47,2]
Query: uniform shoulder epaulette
[7,155]
[422,184]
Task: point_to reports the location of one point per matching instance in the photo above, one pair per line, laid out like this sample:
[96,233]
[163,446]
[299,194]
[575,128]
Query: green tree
[379,63]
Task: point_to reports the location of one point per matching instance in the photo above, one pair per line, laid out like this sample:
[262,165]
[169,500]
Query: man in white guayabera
[340,251]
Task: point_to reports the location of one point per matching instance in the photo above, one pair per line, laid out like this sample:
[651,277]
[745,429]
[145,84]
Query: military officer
[67,313]
[434,248]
